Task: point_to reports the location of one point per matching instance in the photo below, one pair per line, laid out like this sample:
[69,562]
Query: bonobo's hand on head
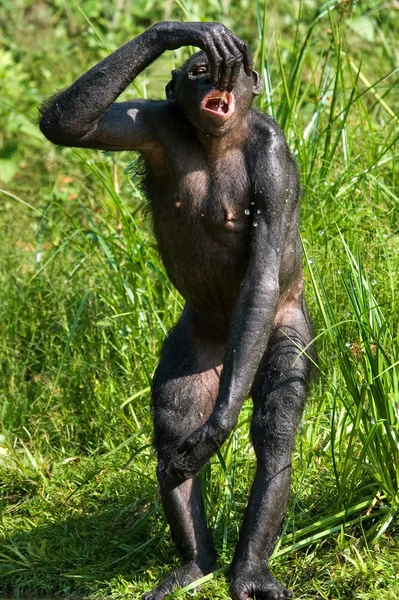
[225,51]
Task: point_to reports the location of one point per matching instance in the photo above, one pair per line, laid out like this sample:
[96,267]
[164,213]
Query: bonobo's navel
[230,218]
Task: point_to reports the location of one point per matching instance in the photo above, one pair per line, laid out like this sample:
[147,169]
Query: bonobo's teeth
[219,103]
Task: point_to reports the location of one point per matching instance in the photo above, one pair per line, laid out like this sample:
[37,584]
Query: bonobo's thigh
[279,393]
[280,388]
[186,383]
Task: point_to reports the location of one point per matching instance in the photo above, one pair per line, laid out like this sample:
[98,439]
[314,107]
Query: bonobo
[223,190]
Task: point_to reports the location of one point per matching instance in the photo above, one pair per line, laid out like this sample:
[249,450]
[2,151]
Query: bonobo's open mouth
[219,104]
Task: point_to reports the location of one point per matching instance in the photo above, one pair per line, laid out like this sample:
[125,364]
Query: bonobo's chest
[208,196]
[202,220]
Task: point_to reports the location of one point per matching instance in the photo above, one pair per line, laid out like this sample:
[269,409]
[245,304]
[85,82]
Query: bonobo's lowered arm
[275,194]
[85,115]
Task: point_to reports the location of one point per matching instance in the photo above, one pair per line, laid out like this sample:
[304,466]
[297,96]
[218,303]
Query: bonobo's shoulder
[267,143]
[155,109]
[165,121]
[166,115]
[149,108]
[265,128]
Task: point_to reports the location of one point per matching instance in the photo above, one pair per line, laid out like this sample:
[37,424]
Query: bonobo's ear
[170,88]
[257,88]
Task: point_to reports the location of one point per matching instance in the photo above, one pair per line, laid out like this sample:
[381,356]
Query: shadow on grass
[121,549]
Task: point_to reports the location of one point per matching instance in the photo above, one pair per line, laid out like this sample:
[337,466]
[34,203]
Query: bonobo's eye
[198,71]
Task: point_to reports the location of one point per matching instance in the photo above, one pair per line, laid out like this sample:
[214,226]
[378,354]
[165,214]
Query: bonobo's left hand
[225,51]
[191,455]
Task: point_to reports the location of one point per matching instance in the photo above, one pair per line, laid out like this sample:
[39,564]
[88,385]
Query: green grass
[85,304]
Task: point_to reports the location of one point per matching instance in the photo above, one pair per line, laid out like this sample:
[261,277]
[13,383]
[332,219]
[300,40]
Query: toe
[156,594]
[238,593]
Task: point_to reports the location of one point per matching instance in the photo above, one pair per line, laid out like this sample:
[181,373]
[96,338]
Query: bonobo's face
[212,111]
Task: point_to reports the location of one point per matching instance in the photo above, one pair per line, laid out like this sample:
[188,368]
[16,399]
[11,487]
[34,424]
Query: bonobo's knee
[169,431]
[176,413]
[278,408]
[274,442]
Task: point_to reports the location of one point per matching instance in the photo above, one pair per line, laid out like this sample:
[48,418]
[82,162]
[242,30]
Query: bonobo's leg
[184,391]
[279,395]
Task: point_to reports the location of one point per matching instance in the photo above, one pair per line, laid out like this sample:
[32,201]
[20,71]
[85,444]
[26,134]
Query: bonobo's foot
[180,578]
[255,581]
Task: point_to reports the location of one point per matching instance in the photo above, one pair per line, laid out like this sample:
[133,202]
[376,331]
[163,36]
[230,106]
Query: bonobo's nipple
[229,214]
[230,218]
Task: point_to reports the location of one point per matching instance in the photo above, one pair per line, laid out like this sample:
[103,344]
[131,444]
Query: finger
[236,66]
[246,53]
[161,472]
[175,475]
[186,446]
[237,595]
[172,478]
[171,482]
[186,466]
[226,66]
[190,442]
[215,60]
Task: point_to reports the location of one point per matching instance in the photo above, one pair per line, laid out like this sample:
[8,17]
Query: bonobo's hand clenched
[191,455]
[225,51]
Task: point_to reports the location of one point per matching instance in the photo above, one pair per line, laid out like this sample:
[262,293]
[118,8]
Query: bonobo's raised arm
[85,115]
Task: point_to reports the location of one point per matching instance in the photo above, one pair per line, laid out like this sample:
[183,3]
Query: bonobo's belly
[205,252]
